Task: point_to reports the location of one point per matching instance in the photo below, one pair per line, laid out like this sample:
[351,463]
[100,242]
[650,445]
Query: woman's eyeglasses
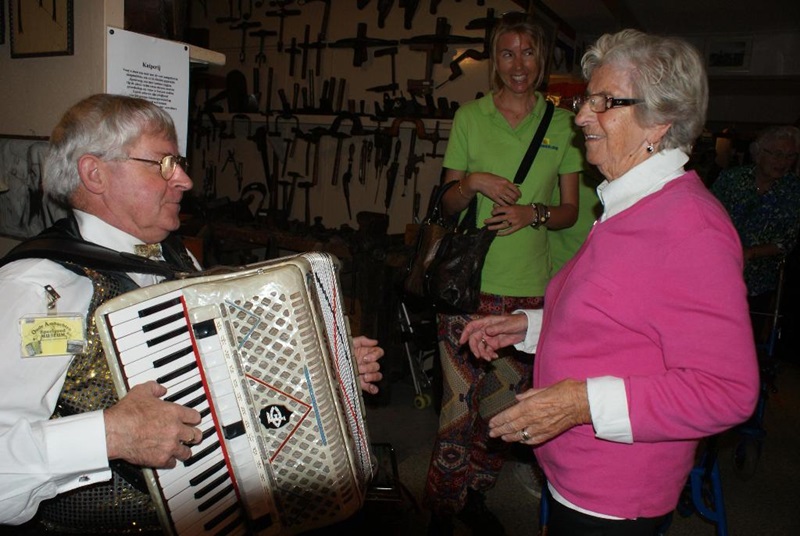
[168,164]
[599,103]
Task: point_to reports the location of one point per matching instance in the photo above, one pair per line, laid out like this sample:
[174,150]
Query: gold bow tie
[151,251]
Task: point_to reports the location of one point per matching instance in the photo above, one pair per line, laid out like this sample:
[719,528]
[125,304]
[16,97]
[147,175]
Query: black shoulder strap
[59,244]
[524,166]
[536,142]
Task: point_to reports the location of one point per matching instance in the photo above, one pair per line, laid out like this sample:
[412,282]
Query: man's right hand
[144,430]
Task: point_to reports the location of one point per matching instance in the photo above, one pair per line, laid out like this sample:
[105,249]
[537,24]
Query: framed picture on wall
[728,54]
[40,28]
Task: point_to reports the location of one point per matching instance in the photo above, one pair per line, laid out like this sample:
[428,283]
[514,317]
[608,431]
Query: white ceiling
[682,17]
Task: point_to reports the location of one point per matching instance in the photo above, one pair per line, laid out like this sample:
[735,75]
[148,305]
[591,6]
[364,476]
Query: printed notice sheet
[155,69]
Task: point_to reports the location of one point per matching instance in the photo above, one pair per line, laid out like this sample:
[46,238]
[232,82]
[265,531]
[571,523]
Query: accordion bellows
[264,353]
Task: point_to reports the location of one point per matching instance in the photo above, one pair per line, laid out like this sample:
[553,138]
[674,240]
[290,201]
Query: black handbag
[448,260]
[453,278]
[429,237]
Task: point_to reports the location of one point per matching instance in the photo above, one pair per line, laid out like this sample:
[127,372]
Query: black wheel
[745,458]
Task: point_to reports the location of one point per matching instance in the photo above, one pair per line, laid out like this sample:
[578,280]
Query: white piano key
[138,324]
[138,338]
[209,344]
[195,386]
[213,359]
[227,410]
[142,365]
[188,520]
[147,358]
[159,373]
[132,312]
[175,479]
[217,375]
[220,480]
[143,351]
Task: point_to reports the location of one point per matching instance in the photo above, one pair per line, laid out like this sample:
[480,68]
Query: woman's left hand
[509,218]
[367,355]
[542,414]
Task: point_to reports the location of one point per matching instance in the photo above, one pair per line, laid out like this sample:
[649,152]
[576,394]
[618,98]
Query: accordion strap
[60,244]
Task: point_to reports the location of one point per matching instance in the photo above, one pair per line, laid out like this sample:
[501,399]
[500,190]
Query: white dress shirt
[40,457]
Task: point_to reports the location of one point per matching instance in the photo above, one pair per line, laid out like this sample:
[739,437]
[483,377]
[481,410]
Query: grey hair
[772,134]
[667,73]
[524,24]
[102,125]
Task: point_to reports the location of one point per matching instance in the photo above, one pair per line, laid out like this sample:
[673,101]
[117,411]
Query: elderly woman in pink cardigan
[644,345]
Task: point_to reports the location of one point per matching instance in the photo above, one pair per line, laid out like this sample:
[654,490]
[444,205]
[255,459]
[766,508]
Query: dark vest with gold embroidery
[121,505]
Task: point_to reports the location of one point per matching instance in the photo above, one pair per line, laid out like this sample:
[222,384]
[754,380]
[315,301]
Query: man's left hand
[367,355]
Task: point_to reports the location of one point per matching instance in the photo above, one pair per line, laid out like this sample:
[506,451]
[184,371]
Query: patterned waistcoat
[121,505]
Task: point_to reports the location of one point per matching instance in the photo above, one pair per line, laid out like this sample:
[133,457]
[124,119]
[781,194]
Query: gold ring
[483,341]
[525,435]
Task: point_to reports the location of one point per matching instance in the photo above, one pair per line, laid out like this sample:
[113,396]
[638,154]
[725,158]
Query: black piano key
[202,454]
[222,516]
[195,401]
[204,329]
[167,359]
[197,386]
[233,430]
[205,490]
[209,432]
[211,471]
[230,527]
[177,373]
[167,336]
[159,307]
[257,525]
[162,322]
[214,499]
[204,413]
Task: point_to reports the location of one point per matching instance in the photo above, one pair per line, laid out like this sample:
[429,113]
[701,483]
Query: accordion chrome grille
[283,357]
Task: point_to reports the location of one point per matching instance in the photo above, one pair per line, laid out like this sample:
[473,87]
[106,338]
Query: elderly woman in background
[644,345]
[763,200]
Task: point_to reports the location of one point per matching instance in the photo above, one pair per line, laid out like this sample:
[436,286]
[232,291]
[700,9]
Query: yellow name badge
[44,336]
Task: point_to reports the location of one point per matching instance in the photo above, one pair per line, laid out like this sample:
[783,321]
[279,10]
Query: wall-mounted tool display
[335,75]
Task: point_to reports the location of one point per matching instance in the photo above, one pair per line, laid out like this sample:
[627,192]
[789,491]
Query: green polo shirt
[482,140]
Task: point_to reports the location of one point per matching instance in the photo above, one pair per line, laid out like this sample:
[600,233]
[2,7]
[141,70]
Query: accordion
[264,353]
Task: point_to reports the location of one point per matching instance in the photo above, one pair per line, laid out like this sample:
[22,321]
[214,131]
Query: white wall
[35,91]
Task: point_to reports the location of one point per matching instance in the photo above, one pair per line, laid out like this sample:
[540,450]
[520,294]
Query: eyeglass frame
[610,102]
[179,161]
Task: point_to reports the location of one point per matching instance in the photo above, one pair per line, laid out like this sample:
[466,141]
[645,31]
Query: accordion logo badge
[274,416]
